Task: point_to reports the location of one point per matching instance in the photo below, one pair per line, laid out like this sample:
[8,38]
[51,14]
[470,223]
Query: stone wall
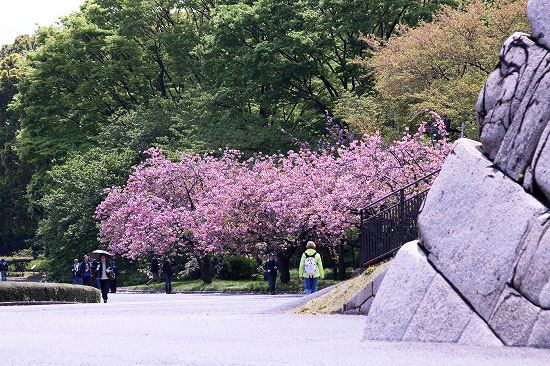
[360,304]
[480,272]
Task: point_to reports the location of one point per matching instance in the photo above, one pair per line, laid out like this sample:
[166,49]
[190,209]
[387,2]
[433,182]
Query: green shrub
[36,291]
[237,268]
[40,264]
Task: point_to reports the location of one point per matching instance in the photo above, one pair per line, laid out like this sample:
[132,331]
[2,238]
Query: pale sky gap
[22,16]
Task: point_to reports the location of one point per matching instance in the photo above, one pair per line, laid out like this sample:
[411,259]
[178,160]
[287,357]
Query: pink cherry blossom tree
[202,205]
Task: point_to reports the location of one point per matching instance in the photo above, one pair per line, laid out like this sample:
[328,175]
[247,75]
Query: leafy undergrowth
[333,300]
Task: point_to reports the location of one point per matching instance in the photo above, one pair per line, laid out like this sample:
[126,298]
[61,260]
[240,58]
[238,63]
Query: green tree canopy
[440,66]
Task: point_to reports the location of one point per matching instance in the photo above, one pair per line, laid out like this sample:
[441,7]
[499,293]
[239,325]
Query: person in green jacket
[311,268]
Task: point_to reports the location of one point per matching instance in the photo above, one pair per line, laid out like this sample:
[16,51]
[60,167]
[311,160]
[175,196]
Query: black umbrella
[96,254]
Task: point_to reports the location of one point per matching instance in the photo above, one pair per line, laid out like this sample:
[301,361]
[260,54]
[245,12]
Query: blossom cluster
[209,204]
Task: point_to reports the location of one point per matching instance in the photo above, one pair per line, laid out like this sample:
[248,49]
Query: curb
[25,303]
[295,294]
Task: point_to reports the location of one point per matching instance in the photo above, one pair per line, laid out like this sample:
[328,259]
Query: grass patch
[35,291]
[333,300]
[294,286]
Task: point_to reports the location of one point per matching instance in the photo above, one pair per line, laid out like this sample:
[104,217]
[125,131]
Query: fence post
[402,214]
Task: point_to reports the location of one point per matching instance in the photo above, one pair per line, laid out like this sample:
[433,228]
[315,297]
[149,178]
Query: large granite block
[364,309]
[441,317]
[514,318]
[537,13]
[406,282]
[473,223]
[505,90]
[540,335]
[530,119]
[378,281]
[540,166]
[532,277]
[477,333]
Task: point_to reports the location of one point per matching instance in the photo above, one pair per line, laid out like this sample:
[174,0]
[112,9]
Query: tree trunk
[206,271]
[284,264]
[341,263]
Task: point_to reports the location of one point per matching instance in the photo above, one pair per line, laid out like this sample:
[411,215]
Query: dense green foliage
[34,291]
[81,101]
[439,66]
[16,225]
[70,196]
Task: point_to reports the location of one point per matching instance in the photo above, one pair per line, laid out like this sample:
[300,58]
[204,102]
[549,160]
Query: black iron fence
[390,222]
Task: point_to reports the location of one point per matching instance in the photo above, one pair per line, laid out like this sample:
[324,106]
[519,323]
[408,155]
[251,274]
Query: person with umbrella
[104,271]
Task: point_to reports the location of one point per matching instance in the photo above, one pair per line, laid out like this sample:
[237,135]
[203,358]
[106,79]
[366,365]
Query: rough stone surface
[473,223]
[540,167]
[477,333]
[405,284]
[505,88]
[514,318]
[416,304]
[537,13]
[513,107]
[441,317]
[377,282]
[540,335]
[532,277]
[359,298]
[364,309]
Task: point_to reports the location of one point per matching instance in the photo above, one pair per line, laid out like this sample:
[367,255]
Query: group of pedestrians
[166,270]
[310,270]
[102,275]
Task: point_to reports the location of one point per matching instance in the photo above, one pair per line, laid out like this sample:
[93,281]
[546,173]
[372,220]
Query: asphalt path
[206,329]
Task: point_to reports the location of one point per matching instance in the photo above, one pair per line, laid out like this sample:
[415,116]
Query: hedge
[36,291]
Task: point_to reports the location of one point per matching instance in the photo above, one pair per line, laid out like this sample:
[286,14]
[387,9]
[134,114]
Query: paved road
[183,329]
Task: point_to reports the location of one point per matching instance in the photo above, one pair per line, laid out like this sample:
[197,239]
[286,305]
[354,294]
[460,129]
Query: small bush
[35,291]
[39,264]
[237,268]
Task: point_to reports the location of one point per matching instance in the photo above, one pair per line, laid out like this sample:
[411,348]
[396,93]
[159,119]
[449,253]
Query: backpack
[310,265]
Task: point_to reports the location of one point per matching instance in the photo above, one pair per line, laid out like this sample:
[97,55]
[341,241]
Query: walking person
[154,270]
[114,278]
[86,271]
[167,269]
[4,269]
[75,270]
[311,268]
[95,276]
[104,273]
[271,267]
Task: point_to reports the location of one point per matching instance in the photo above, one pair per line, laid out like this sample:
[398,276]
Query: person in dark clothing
[167,269]
[271,267]
[154,270]
[103,274]
[115,278]
[86,271]
[95,277]
[4,269]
